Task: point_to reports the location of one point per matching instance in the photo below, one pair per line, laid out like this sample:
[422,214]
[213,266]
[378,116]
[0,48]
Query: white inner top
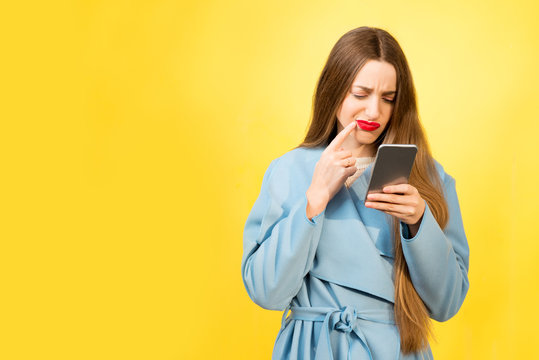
[361,164]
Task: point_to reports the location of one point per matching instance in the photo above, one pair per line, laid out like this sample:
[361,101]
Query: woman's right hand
[330,173]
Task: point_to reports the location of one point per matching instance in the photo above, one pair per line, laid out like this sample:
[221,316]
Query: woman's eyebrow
[369,90]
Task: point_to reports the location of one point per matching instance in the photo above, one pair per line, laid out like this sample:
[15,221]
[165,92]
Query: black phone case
[392,166]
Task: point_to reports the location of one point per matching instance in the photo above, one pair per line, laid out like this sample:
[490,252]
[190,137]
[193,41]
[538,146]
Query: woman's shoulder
[295,164]
[301,155]
[444,176]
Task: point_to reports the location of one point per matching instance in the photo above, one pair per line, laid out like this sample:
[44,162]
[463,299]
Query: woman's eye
[390,101]
[359,96]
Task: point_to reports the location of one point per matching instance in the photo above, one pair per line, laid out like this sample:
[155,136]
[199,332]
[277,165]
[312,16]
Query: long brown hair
[350,53]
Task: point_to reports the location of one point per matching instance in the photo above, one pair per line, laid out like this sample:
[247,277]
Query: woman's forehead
[376,76]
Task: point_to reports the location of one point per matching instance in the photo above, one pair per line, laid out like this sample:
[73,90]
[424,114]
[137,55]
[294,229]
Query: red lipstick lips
[367,125]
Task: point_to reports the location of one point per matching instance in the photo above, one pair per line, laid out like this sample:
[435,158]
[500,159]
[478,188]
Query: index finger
[339,139]
[398,189]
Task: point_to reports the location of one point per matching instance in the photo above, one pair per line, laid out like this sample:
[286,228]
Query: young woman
[362,279]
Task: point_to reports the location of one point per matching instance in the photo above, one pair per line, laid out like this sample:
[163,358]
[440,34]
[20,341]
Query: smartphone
[392,166]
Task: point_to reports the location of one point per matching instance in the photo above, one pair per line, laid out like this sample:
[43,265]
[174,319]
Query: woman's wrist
[414,228]
[316,202]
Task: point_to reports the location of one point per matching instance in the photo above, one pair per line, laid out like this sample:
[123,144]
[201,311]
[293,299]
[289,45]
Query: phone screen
[392,166]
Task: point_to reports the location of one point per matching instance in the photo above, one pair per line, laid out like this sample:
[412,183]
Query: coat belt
[344,320]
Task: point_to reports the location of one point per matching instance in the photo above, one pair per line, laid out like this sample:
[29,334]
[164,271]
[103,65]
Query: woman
[362,279]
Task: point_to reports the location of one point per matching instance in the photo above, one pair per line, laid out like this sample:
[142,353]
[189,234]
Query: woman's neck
[359,150]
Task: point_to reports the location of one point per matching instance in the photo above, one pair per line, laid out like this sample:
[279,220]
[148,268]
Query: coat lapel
[355,248]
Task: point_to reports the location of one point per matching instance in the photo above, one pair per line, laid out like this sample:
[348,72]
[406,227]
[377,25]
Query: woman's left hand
[402,201]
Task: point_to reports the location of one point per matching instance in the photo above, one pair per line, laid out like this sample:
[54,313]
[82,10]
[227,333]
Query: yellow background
[134,138]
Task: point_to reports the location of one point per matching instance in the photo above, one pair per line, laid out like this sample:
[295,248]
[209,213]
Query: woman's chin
[365,138]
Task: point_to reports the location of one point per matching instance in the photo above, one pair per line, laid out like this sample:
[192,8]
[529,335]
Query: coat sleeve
[279,241]
[438,259]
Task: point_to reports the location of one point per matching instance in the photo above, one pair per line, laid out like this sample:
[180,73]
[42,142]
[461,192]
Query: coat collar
[355,248]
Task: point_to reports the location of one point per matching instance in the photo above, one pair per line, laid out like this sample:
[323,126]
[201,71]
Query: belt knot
[344,320]
[347,320]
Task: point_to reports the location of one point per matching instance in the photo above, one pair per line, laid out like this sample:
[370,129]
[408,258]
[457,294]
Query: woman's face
[369,102]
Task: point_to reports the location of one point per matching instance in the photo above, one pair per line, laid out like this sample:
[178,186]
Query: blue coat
[335,272]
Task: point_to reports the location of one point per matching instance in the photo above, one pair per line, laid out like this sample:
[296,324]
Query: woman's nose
[373,109]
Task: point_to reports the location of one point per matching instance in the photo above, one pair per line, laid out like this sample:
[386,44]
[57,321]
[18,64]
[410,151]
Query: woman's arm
[438,259]
[279,241]
[283,229]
